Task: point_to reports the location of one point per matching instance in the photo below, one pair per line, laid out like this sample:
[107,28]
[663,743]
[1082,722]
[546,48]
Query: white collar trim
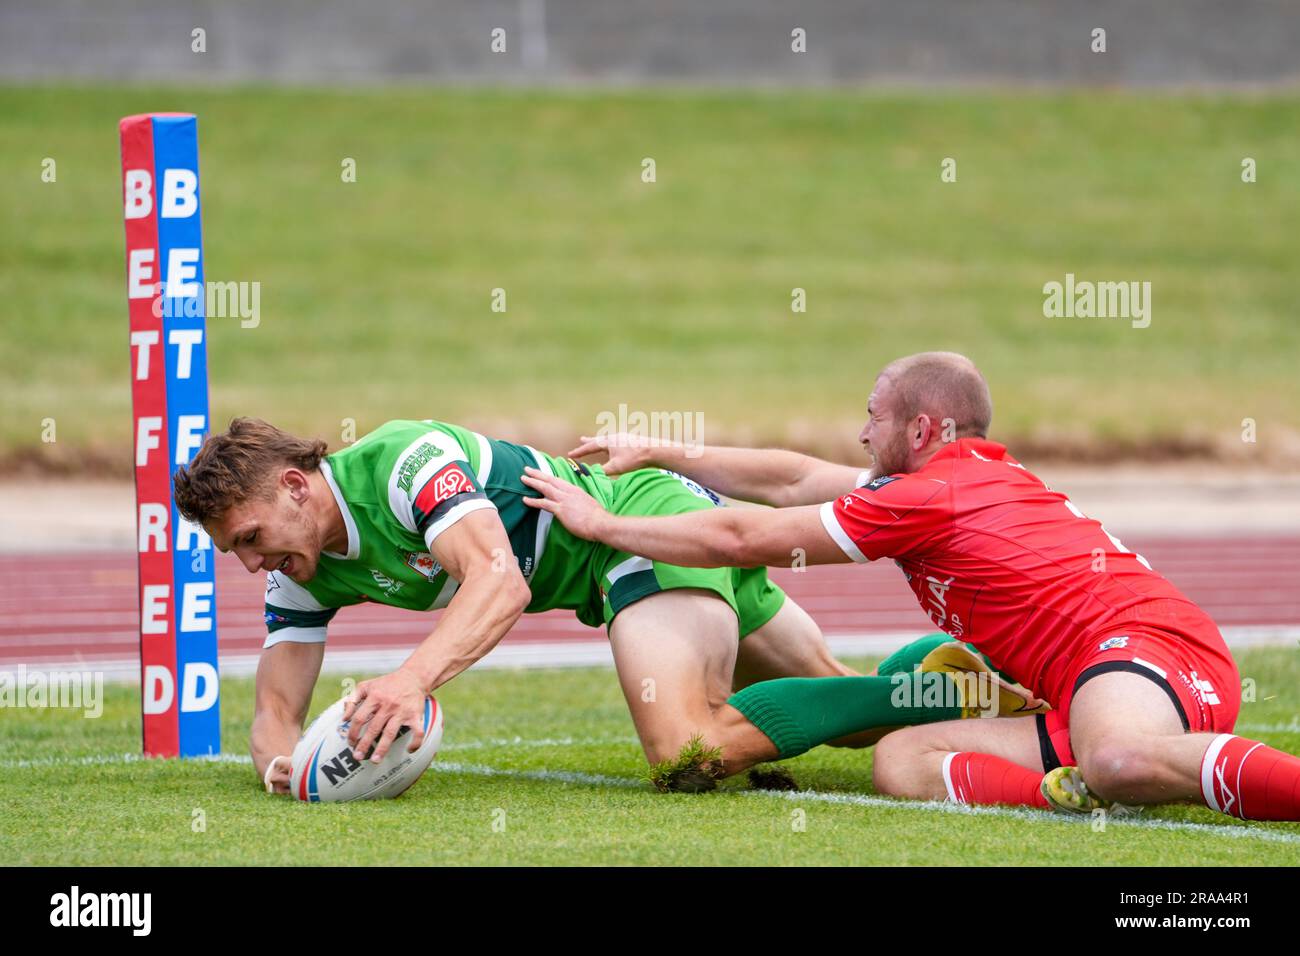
[354,539]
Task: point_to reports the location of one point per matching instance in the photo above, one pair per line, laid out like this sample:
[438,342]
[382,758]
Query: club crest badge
[423,562]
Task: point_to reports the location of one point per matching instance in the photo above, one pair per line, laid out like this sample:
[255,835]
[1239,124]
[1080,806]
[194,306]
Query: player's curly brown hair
[235,466]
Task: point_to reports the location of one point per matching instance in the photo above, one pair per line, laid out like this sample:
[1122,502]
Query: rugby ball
[324,770]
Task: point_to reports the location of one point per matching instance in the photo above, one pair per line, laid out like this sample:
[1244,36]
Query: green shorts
[625,578]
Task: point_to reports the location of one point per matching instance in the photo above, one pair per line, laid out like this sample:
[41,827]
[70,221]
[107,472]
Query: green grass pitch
[675,295]
[541,767]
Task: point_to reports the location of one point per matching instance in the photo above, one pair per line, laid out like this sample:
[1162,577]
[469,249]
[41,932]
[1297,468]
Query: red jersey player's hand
[626,452]
[580,513]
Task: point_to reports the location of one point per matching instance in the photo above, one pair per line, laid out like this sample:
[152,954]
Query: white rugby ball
[325,771]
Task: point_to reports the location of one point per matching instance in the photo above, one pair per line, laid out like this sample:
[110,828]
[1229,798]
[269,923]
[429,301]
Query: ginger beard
[885,435]
[891,455]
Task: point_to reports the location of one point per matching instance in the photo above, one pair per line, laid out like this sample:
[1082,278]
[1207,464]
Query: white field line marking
[542,742]
[1024,814]
[93,760]
[1033,816]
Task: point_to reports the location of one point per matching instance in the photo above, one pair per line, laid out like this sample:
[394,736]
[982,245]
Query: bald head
[920,403]
[942,385]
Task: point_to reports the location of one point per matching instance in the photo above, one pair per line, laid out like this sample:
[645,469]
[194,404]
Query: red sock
[983,778]
[1246,779]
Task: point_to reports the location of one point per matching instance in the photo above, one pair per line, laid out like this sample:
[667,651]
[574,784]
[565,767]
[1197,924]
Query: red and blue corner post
[180,686]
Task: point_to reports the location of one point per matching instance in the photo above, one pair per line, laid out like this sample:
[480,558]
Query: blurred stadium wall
[1152,43]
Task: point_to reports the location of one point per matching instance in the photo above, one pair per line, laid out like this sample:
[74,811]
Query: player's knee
[670,744]
[1114,767]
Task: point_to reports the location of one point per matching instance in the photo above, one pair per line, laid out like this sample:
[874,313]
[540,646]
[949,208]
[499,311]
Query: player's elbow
[739,546]
[510,592]
[519,594]
[782,494]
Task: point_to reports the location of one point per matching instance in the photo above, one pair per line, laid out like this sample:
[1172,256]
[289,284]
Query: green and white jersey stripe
[402,486]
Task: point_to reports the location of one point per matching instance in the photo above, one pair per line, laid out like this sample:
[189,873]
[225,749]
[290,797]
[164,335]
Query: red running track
[63,608]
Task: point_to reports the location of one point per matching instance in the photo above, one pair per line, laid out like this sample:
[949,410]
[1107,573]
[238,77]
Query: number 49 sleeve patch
[446,497]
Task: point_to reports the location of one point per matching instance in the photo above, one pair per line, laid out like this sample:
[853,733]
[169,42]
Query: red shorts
[1201,681]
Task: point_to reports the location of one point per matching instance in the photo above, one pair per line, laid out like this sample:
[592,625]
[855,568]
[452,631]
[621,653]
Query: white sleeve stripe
[837,533]
[454,515]
[296,635]
[484,460]
[543,519]
[288,593]
[400,501]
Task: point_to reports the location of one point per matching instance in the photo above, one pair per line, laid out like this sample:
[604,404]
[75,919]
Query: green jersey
[407,482]
[403,485]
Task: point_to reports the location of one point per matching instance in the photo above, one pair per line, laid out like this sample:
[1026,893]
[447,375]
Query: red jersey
[998,559]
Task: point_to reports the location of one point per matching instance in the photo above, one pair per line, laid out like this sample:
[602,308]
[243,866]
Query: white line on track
[1238,832]
[528,655]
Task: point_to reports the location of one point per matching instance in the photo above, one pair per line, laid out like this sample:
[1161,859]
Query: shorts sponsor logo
[1204,690]
[1113,642]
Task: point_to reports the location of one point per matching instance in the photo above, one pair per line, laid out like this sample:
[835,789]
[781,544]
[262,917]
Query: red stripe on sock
[985,779]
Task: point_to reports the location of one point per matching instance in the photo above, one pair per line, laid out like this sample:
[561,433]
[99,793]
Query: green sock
[798,713]
[907,659]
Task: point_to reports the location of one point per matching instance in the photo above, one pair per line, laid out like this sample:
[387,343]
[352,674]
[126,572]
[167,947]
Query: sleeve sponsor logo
[273,618]
[445,485]
[875,484]
[414,462]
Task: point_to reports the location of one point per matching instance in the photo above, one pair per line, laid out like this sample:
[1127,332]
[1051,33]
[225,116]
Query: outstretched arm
[716,538]
[769,476]
[286,675]
[492,594]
